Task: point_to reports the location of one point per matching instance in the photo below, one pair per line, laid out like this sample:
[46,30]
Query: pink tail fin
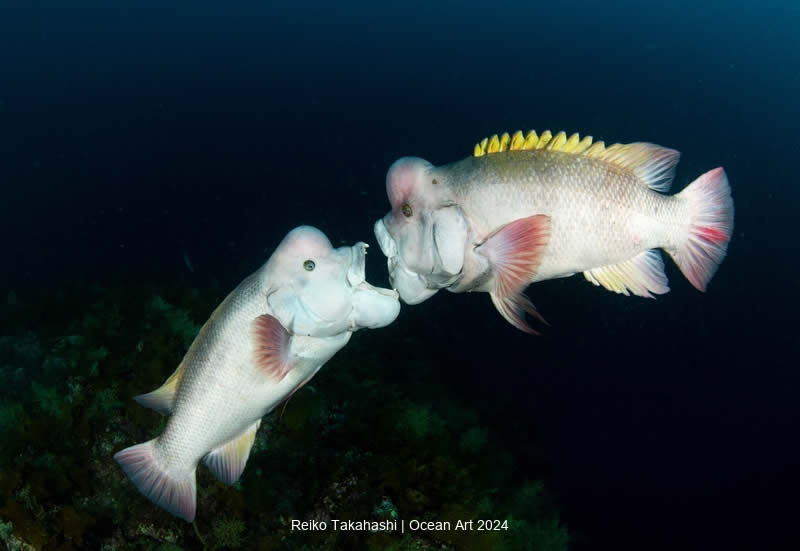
[174,492]
[711,225]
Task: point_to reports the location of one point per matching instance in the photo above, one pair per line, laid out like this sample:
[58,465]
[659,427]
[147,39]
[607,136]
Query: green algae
[358,444]
[228,533]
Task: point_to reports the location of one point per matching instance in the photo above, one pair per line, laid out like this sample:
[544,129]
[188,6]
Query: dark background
[132,135]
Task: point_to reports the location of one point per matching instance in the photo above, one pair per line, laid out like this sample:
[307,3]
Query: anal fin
[643,275]
[227,462]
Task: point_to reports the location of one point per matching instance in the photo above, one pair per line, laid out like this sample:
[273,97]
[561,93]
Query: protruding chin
[410,286]
[373,307]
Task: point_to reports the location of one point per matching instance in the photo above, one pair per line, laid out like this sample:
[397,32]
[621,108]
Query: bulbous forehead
[303,242]
[404,178]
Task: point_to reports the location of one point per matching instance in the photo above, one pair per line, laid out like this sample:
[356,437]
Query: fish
[528,208]
[263,342]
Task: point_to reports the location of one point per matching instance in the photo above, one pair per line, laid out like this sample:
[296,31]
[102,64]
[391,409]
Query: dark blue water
[132,135]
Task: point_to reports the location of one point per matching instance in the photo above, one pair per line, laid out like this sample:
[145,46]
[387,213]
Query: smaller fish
[530,208]
[267,339]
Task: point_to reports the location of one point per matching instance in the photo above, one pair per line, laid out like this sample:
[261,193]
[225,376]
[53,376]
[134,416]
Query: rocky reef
[378,435]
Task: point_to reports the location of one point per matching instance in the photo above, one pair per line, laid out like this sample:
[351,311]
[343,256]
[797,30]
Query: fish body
[599,214]
[263,342]
[510,216]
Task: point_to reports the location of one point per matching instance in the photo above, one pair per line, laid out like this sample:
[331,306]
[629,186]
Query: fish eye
[407,212]
[309,265]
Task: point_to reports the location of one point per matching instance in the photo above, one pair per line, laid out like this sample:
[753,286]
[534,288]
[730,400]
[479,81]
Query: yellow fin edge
[162,399]
[531,141]
[228,460]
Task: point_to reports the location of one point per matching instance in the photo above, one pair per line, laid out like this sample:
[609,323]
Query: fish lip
[403,278]
[357,270]
[398,269]
[366,286]
[385,240]
[373,307]
[389,249]
[357,276]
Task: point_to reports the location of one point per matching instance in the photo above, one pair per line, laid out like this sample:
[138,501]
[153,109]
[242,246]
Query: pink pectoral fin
[514,307]
[515,252]
[271,346]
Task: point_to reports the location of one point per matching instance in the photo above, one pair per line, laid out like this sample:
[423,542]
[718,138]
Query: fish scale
[600,214]
[221,360]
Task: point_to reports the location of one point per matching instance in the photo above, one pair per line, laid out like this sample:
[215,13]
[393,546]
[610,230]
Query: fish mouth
[357,272]
[373,307]
[414,286]
[365,286]
[411,286]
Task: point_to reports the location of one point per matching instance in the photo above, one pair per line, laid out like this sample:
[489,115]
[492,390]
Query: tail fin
[710,207]
[172,491]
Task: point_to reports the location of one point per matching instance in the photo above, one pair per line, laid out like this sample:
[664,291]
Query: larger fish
[530,208]
[263,342]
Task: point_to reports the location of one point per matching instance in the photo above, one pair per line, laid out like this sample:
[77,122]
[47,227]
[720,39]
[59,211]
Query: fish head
[319,291]
[424,236]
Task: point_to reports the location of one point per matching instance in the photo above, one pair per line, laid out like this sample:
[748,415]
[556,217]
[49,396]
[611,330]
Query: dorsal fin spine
[504,139]
[494,145]
[595,149]
[544,139]
[517,141]
[531,140]
[557,142]
[652,164]
[571,143]
[583,145]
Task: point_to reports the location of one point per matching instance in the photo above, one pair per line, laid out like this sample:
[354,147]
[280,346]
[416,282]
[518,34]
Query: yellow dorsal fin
[571,144]
[517,141]
[544,139]
[530,141]
[494,145]
[596,149]
[652,164]
[162,399]
[583,145]
[504,140]
[557,142]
